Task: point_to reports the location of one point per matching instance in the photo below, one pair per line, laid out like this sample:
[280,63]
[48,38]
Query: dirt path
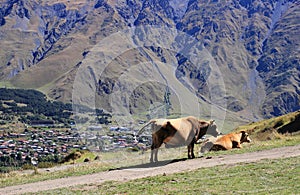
[147,170]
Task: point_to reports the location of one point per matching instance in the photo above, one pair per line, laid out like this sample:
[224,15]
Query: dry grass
[268,129]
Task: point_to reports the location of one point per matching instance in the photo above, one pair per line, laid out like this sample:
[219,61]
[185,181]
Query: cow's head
[245,137]
[212,129]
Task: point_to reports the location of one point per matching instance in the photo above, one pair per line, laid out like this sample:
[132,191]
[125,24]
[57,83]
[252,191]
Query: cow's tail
[143,128]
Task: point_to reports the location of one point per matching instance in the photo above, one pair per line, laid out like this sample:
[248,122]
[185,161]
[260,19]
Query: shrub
[8,169]
[72,156]
[46,165]
[28,167]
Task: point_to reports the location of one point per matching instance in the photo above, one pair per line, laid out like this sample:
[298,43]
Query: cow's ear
[211,122]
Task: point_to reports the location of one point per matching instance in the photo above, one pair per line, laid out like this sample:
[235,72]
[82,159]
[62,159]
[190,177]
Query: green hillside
[274,128]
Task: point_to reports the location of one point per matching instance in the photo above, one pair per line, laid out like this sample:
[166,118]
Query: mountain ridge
[253,44]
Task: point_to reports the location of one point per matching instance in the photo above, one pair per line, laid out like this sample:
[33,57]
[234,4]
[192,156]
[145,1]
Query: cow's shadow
[151,165]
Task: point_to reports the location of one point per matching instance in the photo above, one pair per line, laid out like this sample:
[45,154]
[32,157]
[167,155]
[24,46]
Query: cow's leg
[151,158]
[192,149]
[189,151]
[154,150]
[236,144]
[154,153]
[193,155]
[155,156]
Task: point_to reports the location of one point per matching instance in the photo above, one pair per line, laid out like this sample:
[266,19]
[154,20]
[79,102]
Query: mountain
[238,58]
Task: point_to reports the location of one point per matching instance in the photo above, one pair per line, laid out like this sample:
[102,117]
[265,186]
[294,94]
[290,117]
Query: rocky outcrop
[66,20]
[5,10]
[279,62]
[155,12]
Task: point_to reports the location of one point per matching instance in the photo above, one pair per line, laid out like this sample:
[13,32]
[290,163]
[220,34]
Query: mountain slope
[236,56]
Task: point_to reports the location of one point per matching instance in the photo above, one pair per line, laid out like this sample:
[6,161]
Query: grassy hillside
[274,128]
[264,177]
[264,135]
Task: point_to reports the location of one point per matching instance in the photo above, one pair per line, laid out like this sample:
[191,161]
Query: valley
[79,79]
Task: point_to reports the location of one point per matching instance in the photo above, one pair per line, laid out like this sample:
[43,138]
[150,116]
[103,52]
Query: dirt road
[147,170]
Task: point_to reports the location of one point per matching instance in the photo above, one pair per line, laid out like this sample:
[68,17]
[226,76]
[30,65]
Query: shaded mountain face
[254,45]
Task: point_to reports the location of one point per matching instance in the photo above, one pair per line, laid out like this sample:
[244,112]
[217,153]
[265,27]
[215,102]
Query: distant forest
[23,101]
[32,106]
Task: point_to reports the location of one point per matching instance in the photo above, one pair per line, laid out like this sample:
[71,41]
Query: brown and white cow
[232,140]
[178,132]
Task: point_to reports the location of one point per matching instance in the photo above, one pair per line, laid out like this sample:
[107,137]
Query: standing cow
[178,132]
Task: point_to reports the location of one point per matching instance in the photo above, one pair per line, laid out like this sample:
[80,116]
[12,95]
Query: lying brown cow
[178,132]
[229,141]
